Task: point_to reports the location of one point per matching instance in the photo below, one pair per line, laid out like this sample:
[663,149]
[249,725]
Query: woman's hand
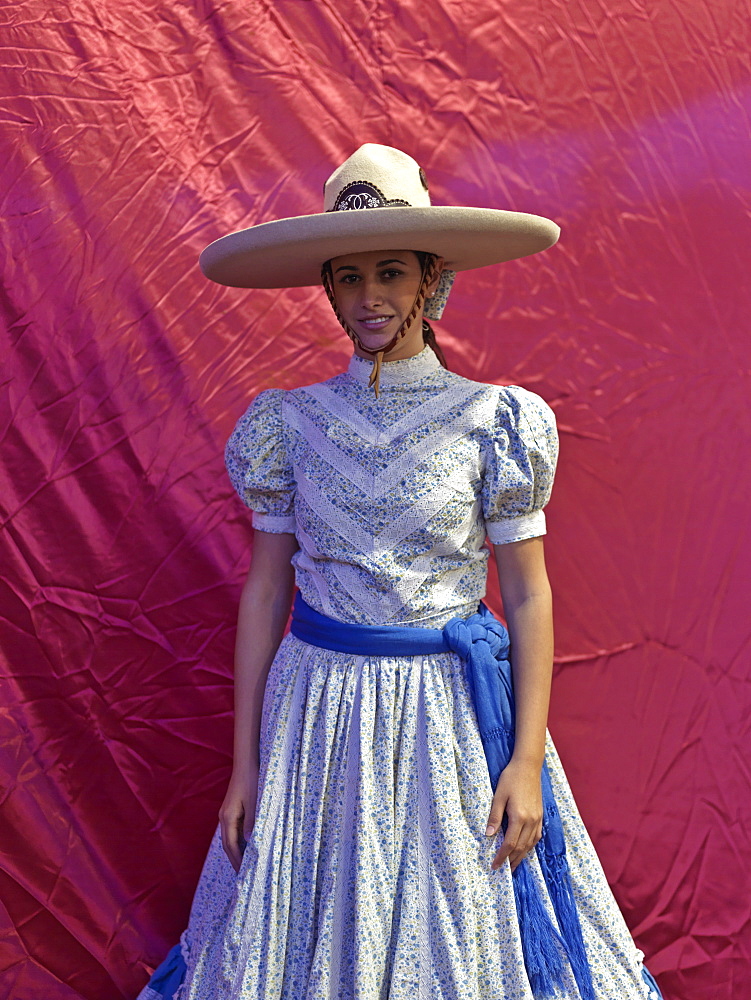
[237,815]
[518,795]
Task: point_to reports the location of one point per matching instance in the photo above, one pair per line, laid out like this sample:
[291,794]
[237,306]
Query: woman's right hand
[237,815]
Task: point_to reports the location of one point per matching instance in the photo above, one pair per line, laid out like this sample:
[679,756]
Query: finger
[510,840]
[231,839]
[518,856]
[230,849]
[497,809]
[518,848]
[528,839]
[235,854]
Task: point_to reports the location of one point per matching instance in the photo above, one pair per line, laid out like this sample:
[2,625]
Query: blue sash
[483,643]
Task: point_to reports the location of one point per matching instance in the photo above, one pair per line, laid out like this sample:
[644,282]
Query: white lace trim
[405,523]
[420,568]
[433,408]
[324,447]
[275,524]
[376,484]
[475,415]
[381,609]
[341,523]
[514,529]
[393,373]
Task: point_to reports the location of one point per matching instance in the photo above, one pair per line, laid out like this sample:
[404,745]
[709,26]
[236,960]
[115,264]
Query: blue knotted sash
[483,643]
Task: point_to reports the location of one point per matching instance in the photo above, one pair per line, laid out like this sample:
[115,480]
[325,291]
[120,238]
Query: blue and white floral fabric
[391,499]
[367,876]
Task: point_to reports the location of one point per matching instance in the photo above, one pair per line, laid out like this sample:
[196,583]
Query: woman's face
[375,291]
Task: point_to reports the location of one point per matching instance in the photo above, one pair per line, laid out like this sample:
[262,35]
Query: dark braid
[428,334]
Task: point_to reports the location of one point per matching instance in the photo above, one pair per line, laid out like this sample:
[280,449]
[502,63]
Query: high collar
[394,373]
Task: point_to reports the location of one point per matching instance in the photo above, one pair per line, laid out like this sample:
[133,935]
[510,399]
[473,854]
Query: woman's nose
[372,292]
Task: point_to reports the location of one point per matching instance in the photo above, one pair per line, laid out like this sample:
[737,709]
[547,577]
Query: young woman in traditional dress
[397,824]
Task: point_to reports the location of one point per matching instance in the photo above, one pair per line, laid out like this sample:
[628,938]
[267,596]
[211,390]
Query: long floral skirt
[367,876]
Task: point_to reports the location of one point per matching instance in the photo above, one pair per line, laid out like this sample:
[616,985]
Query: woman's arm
[527,605]
[264,610]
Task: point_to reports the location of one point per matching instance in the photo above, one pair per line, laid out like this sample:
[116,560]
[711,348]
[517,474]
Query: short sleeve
[258,466]
[519,468]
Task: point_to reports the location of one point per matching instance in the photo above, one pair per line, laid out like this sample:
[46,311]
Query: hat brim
[289,252]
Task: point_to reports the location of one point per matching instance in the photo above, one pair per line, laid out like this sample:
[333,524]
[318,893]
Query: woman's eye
[390,274]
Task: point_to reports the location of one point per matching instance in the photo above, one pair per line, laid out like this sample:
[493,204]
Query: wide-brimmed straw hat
[376,200]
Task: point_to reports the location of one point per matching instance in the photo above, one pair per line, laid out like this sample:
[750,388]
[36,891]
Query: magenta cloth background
[134,134]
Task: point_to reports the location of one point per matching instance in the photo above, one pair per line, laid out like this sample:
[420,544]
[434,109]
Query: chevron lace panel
[384,608]
[425,413]
[376,484]
[405,524]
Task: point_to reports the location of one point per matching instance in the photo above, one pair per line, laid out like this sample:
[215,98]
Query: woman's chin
[375,341]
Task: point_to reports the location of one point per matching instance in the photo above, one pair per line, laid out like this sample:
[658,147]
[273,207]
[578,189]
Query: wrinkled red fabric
[133,135]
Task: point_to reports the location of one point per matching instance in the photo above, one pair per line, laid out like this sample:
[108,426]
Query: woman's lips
[375,322]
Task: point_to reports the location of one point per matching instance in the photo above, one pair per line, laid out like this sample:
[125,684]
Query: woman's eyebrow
[381,263]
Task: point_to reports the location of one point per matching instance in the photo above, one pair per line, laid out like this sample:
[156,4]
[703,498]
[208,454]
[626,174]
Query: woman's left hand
[518,794]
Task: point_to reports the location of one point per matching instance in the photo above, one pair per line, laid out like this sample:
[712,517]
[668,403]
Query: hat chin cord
[429,272]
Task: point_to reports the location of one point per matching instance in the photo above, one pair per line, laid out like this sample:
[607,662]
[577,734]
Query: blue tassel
[551,853]
[542,947]
[562,897]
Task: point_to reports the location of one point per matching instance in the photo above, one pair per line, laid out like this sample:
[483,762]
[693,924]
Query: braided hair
[428,334]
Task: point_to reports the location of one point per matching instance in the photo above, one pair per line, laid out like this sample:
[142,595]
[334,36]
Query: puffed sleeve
[519,468]
[258,466]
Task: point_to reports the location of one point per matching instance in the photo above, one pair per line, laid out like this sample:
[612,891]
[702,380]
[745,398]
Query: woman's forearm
[531,631]
[264,610]
[527,606]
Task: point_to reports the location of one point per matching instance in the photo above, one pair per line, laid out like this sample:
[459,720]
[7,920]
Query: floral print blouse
[392,498]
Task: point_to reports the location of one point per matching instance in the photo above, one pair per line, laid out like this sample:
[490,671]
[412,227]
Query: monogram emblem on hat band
[361,194]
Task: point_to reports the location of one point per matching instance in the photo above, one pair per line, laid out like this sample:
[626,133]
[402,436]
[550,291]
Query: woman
[410,832]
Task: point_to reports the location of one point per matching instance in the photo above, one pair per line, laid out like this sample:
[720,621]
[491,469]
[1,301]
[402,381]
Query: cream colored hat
[376,200]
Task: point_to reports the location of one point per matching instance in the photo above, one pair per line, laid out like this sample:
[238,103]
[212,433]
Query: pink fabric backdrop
[134,134]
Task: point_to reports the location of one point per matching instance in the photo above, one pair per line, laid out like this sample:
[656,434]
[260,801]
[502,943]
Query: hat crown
[376,176]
